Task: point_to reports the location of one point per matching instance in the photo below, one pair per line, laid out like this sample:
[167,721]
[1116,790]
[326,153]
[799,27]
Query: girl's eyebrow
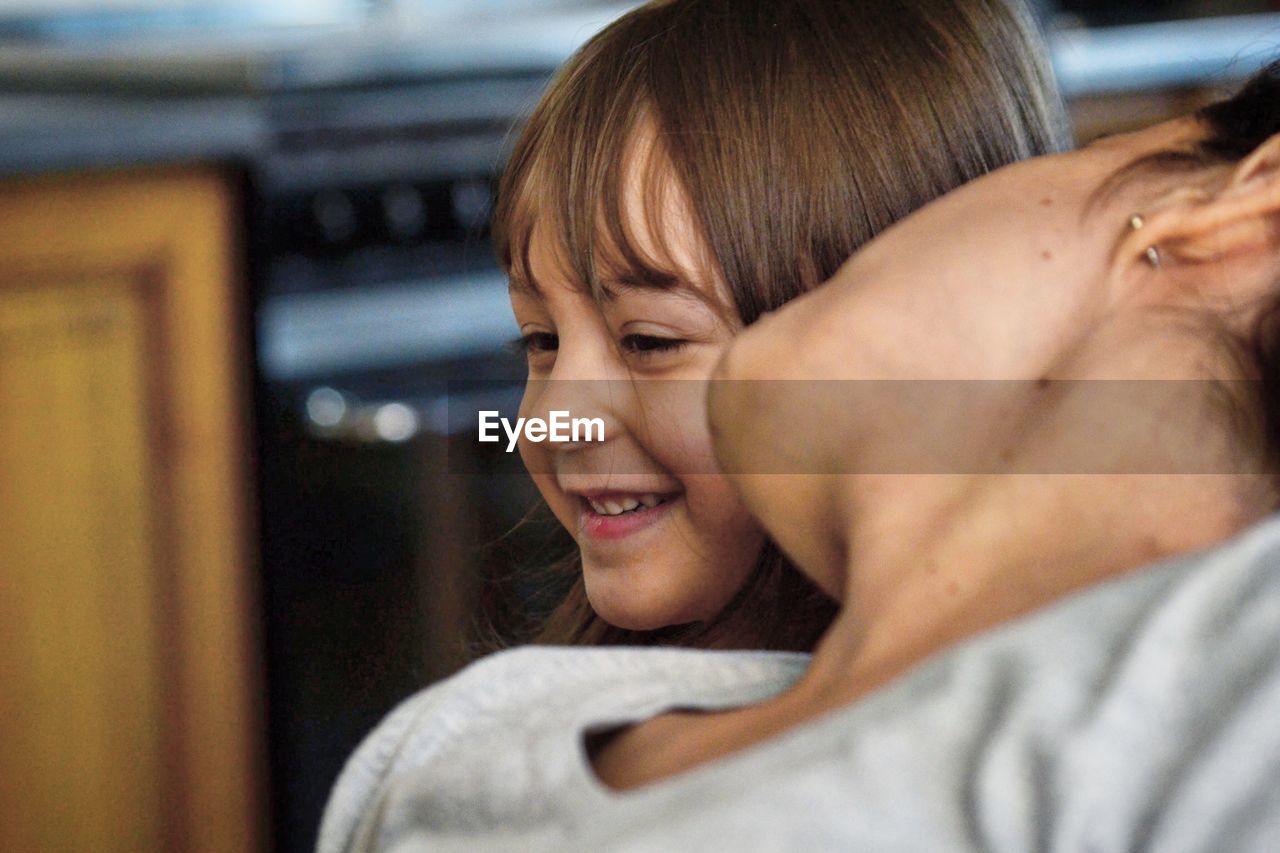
[613,286]
[675,285]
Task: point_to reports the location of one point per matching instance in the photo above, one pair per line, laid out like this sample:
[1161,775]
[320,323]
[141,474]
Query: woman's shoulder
[527,668]
[466,725]
[525,674]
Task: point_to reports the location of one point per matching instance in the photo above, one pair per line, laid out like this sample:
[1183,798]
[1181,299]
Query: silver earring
[1152,253]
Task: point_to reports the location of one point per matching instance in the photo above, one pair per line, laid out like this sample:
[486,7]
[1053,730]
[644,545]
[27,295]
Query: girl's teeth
[612,507]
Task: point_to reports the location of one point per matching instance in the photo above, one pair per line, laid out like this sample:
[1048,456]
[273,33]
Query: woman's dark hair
[1241,123]
[796,130]
[1235,128]
[1232,130]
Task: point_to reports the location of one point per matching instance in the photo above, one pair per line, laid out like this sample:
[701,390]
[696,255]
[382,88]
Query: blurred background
[248,310]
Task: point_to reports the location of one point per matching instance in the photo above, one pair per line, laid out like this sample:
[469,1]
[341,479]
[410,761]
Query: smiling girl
[696,164]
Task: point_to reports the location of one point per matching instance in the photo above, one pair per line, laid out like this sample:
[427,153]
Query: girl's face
[664,538]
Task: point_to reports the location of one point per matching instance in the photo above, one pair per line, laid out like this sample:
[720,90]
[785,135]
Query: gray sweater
[1142,714]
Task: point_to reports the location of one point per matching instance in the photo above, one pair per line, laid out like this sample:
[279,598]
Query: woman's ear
[1262,165]
[1241,218]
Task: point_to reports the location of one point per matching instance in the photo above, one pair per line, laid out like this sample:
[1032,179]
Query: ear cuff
[1152,253]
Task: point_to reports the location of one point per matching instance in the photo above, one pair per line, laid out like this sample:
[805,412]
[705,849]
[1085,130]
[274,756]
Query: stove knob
[471,203]
[404,211]
[334,215]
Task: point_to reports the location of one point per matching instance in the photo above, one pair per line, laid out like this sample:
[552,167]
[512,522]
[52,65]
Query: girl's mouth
[618,514]
[623,503]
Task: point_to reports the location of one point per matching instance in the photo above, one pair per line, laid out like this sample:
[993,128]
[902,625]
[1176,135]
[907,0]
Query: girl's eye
[536,342]
[647,345]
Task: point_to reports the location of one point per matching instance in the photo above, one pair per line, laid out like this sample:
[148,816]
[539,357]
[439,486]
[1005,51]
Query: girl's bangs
[579,193]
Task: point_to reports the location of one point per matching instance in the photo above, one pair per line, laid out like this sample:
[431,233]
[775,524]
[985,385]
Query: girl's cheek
[563,506]
[537,461]
[545,482]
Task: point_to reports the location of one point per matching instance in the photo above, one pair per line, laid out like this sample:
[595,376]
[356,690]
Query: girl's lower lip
[599,526]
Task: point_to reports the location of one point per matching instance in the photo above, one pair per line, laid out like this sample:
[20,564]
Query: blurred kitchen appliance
[381,317]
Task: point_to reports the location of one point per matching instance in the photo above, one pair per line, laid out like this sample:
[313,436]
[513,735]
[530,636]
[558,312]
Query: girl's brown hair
[796,130]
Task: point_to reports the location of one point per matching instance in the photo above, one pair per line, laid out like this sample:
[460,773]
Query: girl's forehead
[622,220]
[644,234]
[615,271]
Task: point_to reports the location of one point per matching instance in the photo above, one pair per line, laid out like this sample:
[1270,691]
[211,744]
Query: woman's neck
[1024,542]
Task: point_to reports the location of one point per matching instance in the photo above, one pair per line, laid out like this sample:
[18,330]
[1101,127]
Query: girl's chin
[631,610]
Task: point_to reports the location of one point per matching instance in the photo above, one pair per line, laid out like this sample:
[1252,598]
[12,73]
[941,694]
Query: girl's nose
[588,381]
[596,405]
